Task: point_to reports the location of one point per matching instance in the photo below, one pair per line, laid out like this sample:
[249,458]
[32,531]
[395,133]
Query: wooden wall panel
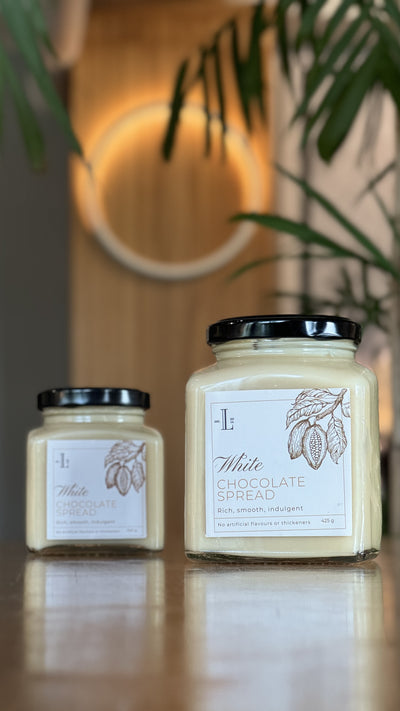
[127,330]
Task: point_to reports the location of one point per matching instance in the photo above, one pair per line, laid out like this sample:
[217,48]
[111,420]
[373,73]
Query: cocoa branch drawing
[118,473]
[308,438]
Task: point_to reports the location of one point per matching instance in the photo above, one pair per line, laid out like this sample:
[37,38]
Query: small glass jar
[282,444]
[95,473]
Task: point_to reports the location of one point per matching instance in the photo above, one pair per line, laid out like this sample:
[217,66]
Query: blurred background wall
[34,233]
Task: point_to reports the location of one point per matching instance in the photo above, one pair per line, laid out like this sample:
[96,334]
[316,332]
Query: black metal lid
[284,326]
[99,397]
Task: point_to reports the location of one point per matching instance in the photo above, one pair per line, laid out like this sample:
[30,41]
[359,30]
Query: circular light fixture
[250,174]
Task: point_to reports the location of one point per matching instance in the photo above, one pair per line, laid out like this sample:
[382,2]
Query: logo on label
[63,461]
[225,422]
[125,466]
[310,439]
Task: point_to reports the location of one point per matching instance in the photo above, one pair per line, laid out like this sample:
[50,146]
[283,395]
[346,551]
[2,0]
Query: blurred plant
[353,295]
[206,69]
[355,51]
[24,34]
[352,52]
[352,49]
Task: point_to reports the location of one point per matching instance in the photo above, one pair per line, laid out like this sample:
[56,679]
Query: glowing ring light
[171,271]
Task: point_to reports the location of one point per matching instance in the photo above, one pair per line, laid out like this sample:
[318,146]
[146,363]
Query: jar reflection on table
[86,616]
[268,630]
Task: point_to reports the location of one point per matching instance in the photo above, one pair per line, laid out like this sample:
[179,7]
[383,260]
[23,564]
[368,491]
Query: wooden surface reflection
[163,633]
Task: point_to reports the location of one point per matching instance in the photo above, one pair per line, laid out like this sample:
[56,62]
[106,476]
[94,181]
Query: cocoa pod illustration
[111,474]
[314,445]
[295,441]
[123,480]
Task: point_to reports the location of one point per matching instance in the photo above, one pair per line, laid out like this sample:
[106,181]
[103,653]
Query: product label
[278,463]
[96,489]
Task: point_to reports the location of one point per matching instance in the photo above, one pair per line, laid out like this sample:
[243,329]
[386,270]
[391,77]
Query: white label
[278,463]
[96,489]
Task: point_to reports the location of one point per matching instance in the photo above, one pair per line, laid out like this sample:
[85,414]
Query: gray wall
[33,301]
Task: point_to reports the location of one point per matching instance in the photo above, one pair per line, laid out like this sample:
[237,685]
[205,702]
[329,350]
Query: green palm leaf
[393,12]
[206,100]
[249,69]
[389,168]
[176,106]
[390,78]
[255,57]
[391,222]
[333,24]
[241,76]
[342,220]
[339,84]
[387,39]
[300,230]
[39,25]
[305,256]
[216,54]
[22,29]
[345,110]
[354,47]
[307,24]
[322,69]
[307,235]
[281,10]
[30,130]
[248,72]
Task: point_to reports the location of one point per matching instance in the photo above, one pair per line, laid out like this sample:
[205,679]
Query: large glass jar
[94,473]
[282,444]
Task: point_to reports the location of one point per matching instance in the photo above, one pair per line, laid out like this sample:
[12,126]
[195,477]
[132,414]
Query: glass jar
[282,444]
[94,473]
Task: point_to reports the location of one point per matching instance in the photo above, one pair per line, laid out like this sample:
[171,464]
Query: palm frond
[389,168]
[354,48]
[25,23]
[29,125]
[358,50]
[176,106]
[216,56]
[352,230]
[206,70]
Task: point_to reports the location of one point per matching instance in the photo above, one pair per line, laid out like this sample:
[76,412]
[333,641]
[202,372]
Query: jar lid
[86,397]
[284,326]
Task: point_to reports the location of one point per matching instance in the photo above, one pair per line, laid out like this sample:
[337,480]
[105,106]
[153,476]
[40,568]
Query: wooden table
[164,633]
